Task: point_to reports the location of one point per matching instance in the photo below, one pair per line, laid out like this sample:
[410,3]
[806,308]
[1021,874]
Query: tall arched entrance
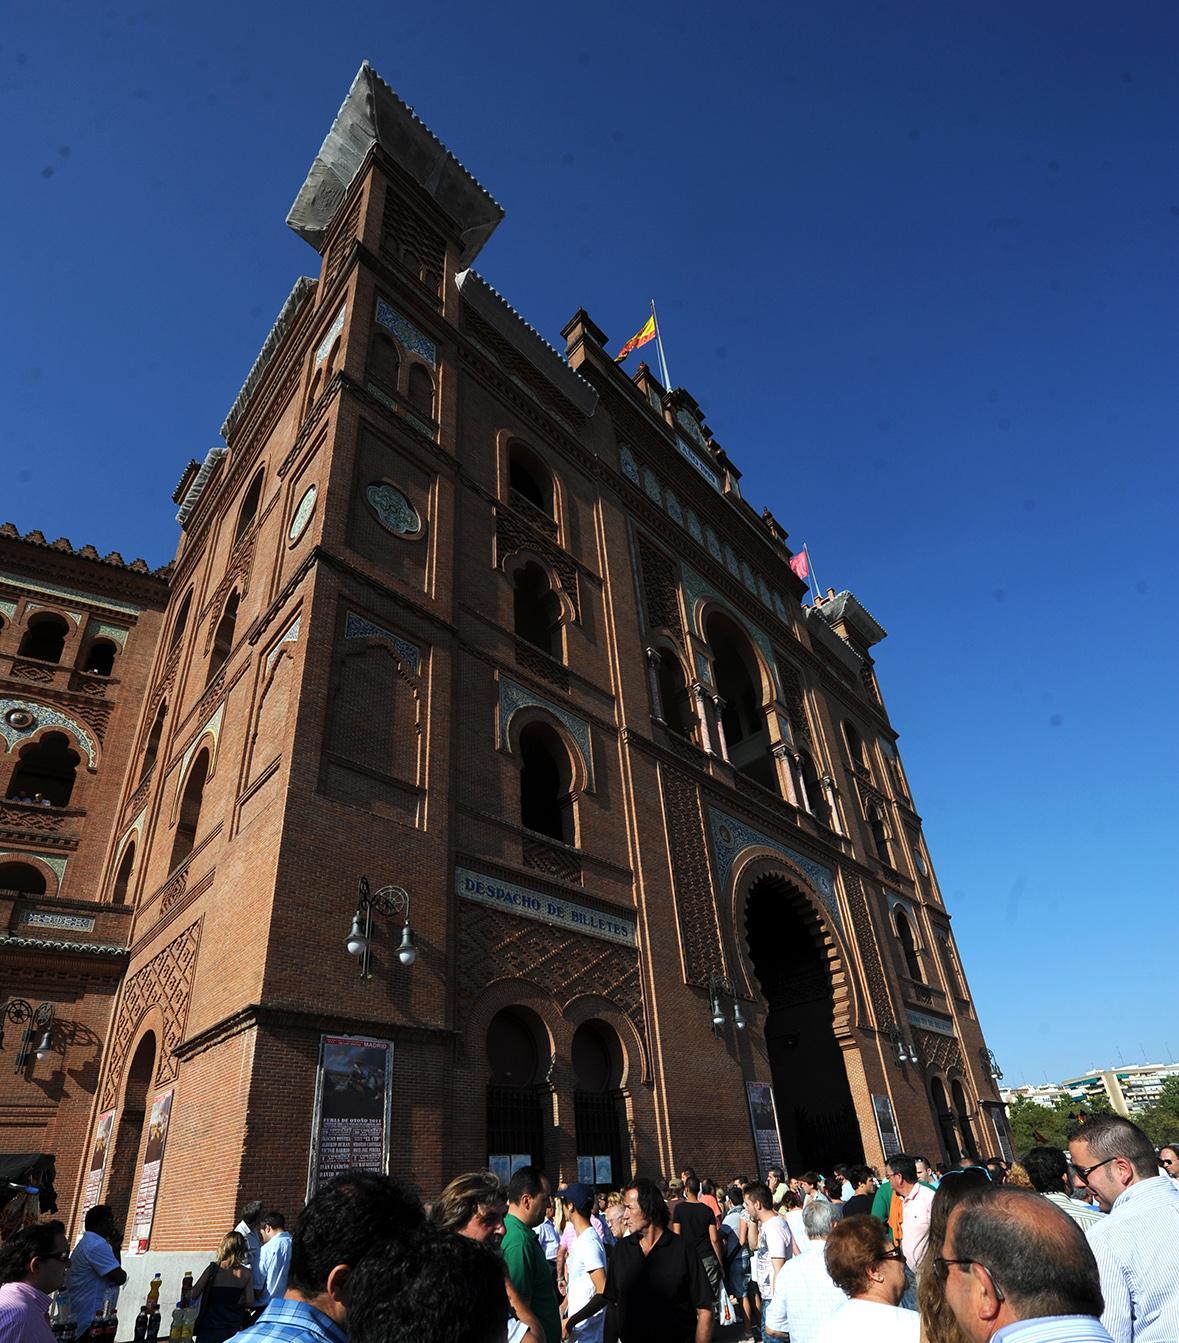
[599,1117]
[516,1058]
[129,1131]
[816,1115]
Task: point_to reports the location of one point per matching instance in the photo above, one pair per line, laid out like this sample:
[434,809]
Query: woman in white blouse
[872,1273]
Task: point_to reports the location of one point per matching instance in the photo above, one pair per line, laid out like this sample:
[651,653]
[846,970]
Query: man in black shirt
[656,1289]
[695,1221]
[861,1201]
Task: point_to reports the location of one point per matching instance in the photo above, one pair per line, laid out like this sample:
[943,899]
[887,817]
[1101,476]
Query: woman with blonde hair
[226,1291]
[938,1324]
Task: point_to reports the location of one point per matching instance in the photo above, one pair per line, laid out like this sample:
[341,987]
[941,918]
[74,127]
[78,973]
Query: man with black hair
[1015,1267]
[342,1223]
[247,1227]
[274,1261]
[863,1187]
[916,1208]
[535,1297]
[94,1266]
[656,1291]
[694,1220]
[1048,1171]
[1137,1245]
[33,1265]
[431,1287]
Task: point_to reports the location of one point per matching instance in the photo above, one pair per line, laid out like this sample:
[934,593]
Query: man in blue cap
[585,1266]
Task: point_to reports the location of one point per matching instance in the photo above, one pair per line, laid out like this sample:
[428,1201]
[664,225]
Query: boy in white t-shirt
[585,1266]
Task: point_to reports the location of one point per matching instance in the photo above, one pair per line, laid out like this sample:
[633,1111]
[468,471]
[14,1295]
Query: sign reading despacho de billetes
[550,909]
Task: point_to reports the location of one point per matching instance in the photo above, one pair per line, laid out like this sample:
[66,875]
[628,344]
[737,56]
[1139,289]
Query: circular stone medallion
[394,511]
[303,514]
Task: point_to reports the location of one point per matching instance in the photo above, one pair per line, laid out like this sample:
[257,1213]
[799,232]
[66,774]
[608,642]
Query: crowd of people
[1056,1248]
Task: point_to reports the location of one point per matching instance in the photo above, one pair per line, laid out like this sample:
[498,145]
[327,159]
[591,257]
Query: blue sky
[917,262]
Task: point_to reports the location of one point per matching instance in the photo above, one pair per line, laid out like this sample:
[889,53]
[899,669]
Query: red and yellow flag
[646,334]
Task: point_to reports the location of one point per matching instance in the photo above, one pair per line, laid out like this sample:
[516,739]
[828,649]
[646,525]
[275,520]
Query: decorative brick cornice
[63,546]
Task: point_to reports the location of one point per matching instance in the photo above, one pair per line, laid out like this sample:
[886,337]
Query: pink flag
[800,564]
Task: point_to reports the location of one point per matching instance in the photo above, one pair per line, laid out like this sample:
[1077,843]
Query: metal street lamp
[39,1018]
[389,900]
[718,984]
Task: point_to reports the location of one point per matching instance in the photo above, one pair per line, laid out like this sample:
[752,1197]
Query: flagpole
[810,564]
[659,346]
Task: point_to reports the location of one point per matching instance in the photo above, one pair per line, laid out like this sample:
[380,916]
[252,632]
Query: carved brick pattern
[514,363]
[533,660]
[42,819]
[514,532]
[536,516]
[940,1053]
[96,713]
[173,890]
[869,796]
[165,981]
[695,903]
[338,254]
[865,937]
[553,859]
[505,948]
[661,588]
[209,699]
[88,687]
[139,796]
[167,676]
[402,231]
[870,687]
[30,671]
[238,574]
[795,704]
[276,405]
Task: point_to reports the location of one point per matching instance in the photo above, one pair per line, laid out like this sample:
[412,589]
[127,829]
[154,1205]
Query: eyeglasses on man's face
[941,1266]
[1083,1172]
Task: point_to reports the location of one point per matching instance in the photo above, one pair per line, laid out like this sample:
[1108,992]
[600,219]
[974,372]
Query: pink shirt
[24,1314]
[918,1206]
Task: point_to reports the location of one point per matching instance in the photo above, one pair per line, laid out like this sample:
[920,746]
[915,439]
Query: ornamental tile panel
[672,504]
[302,514]
[405,331]
[79,923]
[697,532]
[332,332]
[14,727]
[290,637]
[651,485]
[357,627]
[626,460]
[513,696]
[51,589]
[730,837]
[394,511]
[116,633]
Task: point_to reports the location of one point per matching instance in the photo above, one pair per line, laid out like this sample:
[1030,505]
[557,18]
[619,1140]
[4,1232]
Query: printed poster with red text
[149,1179]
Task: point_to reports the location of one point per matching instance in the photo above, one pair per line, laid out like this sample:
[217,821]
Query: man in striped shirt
[1018,1270]
[1137,1245]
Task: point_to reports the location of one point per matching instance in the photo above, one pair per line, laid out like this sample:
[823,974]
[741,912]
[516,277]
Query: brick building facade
[493,624]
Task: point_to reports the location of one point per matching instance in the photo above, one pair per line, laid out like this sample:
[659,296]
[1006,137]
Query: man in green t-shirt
[533,1295]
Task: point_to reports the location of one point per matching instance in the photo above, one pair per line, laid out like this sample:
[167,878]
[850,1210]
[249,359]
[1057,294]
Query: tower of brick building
[494,626]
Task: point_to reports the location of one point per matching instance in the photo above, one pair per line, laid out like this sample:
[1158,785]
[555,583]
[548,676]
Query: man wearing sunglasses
[1016,1269]
[1137,1245]
[33,1265]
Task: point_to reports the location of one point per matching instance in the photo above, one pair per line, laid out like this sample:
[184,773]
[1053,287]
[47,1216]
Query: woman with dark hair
[938,1324]
[872,1273]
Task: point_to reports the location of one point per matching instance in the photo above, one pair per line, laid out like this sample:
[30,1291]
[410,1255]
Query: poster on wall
[505,1164]
[353,1102]
[763,1115]
[886,1126]
[102,1141]
[149,1179]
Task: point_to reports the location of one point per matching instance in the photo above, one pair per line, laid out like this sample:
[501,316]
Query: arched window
[100,657]
[675,696]
[545,778]
[816,794]
[46,771]
[316,387]
[223,639]
[908,945]
[596,1055]
[738,683]
[953,969]
[945,1120]
[528,479]
[45,638]
[180,624]
[879,829]
[22,877]
[963,1112]
[249,509]
[420,391]
[857,751]
[536,609]
[517,1053]
[384,362]
[153,739]
[190,811]
[123,876]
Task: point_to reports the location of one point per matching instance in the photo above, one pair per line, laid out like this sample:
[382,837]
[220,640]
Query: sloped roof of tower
[373,114]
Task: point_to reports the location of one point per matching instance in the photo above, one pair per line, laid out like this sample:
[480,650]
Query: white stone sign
[550,909]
